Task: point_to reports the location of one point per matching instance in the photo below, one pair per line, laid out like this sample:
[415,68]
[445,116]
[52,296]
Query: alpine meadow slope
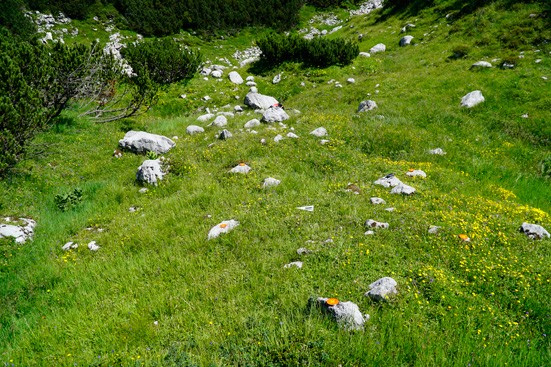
[160,291]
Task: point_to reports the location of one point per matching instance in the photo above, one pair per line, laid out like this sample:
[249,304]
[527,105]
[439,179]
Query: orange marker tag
[411,170]
[332,301]
[463,237]
[223,225]
[241,164]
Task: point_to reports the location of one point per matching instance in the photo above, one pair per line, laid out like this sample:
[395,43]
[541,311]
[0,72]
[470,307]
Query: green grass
[229,301]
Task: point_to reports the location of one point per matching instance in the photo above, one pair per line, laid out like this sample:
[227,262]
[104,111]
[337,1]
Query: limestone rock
[347,314]
[416,173]
[434,229]
[296,264]
[351,80]
[252,123]
[278,138]
[274,114]
[270,182]
[437,151]
[205,118]
[534,231]
[378,48]
[219,121]
[20,232]
[391,181]
[92,246]
[141,142]
[366,106]
[276,79]
[240,168]
[193,129]
[292,135]
[381,289]
[216,74]
[481,65]
[235,78]
[222,227]
[364,54]
[319,132]
[472,99]
[406,40]
[377,201]
[225,134]
[403,189]
[258,101]
[150,171]
[374,224]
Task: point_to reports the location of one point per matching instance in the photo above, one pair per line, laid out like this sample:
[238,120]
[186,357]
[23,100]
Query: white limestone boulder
[194,129]
[21,229]
[534,231]
[222,227]
[270,182]
[382,289]
[377,48]
[472,99]
[151,171]
[374,224]
[403,189]
[235,78]
[346,314]
[274,114]
[142,142]
[366,106]
[256,100]
[319,132]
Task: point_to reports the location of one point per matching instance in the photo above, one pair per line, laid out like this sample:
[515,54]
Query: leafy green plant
[151,155]
[546,167]
[71,200]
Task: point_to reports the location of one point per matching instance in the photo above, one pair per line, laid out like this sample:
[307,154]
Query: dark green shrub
[78,9]
[71,200]
[278,48]
[165,60]
[12,18]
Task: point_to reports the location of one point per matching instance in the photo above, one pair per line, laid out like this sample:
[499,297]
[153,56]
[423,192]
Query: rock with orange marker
[347,314]
[223,227]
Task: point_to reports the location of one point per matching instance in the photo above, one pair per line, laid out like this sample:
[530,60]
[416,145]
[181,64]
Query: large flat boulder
[142,142]
[274,114]
[256,100]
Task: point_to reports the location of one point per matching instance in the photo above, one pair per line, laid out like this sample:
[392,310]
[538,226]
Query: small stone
[308,208]
[235,78]
[303,251]
[351,80]
[324,141]
[319,132]
[278,138]
[297,264]
[276,79]
[369,233]
[437,151]
[205,118]
[381,289]
[225,134]
[347,314]
[434,229]
[92,246]
[416,173]
[472,99]
[403,189]
[143,190]
[377,201]
[406,40]
[378,48]
[270,182]
[67,246]
[240,168]
[238,109]
[534,231]
[252,123]
[219,121]
[193,129]
[374,224]
[274,114]
[364,54]
[391,181]
[222,227]
[150,171]
[390,209]
[481,65]
[366,106]
[117,154]
[292,135]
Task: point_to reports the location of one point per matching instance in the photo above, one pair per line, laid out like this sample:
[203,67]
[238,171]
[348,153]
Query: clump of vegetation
[546,167]
[70,200]
[165,61]
[278,48]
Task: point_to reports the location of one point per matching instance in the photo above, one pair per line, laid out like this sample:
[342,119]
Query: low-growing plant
[70,200]
[546,167]
[151,155]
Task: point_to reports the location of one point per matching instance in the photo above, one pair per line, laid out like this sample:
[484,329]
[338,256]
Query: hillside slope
[159,293]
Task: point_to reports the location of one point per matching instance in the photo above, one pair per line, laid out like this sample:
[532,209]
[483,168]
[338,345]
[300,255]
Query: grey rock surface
[366,106]
[274,114]
[534,231]
[141,142]
[270,182]
[377,48]
[219,121]
[472,99]
[151,171]
[206,117]
[20,232]
[252,123]
[259,101]
[296,264]
[388,182]
[406,40]
[222,227]
[403,189]
[381,289]
[319,132]
[376,201]
[225,134]
[194,129]
[235,78]
[347,314]
[416,173]
[437,151]
[481,65]
[364,54]
[374,224]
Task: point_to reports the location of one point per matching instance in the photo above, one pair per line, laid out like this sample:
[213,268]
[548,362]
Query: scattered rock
[250,78]
[276,79]
[20,232]
[347,314]
[377,201]
[216,74]
[434,229]
[437,151]
[270,182]
[374,224]
[472,99]
[364,54]
[416,173]
[292,135]
[69,246]
[193,129]
[278,138]
[481,65]
[235,78]
[205,118]
[205,72]
[251,123]
[297,264]
[351,80]
[274,114]
[378,48]
[222,227]
[534,231]
[225,134]
[141,142]
[390,209]
[219,121]
[133,209]
[319,132]
[206,98]
[403,189]
[308,208]
[255,100]
[92,246]
[369,233]
[406,40]
[382,289]
[150,171]
[240,168]
[324,141]
[303,251]
[366,106]
[238,109]
[388,181]
[143,190]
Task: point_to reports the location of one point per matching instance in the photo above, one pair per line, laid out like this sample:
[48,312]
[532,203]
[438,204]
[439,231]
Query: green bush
[12,18]
[71,200]
[164,59]
[78,9]
[278,48]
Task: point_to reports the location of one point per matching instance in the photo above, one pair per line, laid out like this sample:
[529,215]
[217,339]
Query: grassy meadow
[158,293]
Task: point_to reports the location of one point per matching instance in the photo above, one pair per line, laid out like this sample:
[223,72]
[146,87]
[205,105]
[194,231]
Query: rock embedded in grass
[142,142]
[364,54]
[303,251]
[347,314]
[225,134]
[194,129]
[369,233]
[405,41]
[274,114]
[240,168]
[534,231]
[374,224]
[222,227]
[381,289]
[143,190]
[219,121]
[216,74]
[235,78]
[472,99]
[319,132]
[92,246]
[206,117]
[69,246]
[270,182]
[292,135]
[376,201]
[377,48]
[388,181]
[403,189]
[252,123]
[276,79]
[434,229]
[416,173]
[366,106]
[297,264]
[481,65]
[437,151]
[150,171]
[21,233]
[351,80]
[278,138]
[255,100]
